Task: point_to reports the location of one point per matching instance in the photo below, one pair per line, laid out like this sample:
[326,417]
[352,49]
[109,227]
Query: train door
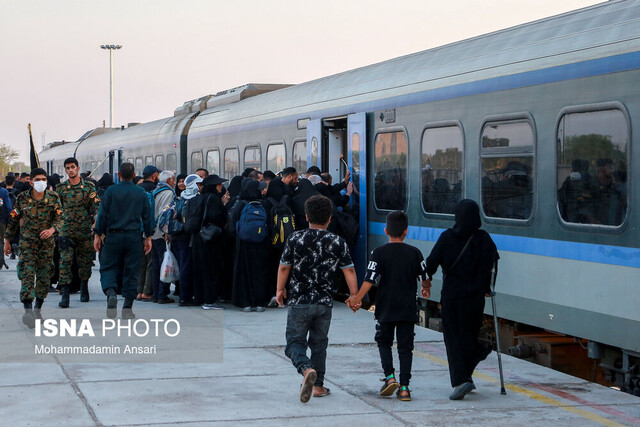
[114,162]
[357,160]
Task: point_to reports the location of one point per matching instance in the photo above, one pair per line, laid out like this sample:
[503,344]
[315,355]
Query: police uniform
[124,215]
[80,205]
[36,255]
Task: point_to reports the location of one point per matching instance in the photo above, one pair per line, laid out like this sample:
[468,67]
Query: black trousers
[120,257]
[404,334]
[461,322]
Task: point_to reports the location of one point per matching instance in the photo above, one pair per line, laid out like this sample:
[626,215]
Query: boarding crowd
[259,240]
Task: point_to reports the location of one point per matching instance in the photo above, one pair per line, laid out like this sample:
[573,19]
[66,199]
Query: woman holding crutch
[467,256]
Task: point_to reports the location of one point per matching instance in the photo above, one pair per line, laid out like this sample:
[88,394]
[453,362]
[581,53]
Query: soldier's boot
[84,291]
[64,296]
[37,308]
[127,312]
[112,303]
[27,317]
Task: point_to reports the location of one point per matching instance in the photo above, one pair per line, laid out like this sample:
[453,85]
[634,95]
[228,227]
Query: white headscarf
[191,182]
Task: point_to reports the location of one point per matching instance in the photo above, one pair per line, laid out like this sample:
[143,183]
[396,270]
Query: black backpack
[191,221]
[230,226]
[282,222]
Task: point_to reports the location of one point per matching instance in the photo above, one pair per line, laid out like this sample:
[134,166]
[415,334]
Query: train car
[534,122]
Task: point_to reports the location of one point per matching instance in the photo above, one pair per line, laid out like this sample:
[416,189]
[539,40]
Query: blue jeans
[313,320]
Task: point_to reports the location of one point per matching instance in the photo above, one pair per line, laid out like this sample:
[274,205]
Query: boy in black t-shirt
[394,269]
[310,260]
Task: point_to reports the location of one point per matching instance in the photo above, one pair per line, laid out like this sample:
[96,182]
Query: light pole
[110,48]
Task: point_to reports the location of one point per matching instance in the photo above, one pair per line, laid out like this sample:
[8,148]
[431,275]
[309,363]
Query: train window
[276,157]
[390,169]
[252,158]
[231,163]
[130,160]
[196,160]
[148,160]
[507,161]
[172,162]
[299,156]
[442,171]
[213,161]
[592,167]
[139,165]
[160,162]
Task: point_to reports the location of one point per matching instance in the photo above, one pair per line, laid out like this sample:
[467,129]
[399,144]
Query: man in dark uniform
[80,205]
[38,213]
[124,214]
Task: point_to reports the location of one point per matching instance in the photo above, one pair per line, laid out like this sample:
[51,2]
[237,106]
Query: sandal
[404,394]
[306,389]
[390,385]
[326,392]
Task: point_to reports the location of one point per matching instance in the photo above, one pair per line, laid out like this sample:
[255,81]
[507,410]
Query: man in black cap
[150,175]
[124,212]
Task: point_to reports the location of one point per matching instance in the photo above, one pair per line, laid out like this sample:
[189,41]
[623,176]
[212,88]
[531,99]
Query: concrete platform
[255,382]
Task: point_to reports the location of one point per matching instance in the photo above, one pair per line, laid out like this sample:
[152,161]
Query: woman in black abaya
[467,256]
[250,273]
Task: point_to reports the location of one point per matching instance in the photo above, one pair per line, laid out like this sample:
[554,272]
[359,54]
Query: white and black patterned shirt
[314,256]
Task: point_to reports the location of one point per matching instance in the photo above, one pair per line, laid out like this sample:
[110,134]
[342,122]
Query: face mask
[40,186]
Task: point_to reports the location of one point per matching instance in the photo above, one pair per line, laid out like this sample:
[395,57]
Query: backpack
[190,216]
[151,198]
[252,225]
[171,221]
[283,223]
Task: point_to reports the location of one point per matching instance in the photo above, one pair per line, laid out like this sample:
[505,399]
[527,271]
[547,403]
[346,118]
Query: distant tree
[7,157]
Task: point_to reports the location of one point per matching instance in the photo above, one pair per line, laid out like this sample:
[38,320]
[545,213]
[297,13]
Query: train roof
[597,31]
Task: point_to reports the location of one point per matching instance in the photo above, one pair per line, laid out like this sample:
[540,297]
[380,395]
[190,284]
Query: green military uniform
[80,204]
[36,255]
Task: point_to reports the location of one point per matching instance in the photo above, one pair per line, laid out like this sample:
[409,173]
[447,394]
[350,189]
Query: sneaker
[273,303]
[214,306]
[460,391]
[260,309]
[404,394]
[247,309]
[112,303]
[390,385]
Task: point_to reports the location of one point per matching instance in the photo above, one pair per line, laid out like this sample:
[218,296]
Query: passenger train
[535,122]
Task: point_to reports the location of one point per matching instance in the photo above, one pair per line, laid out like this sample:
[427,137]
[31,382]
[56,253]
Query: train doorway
[337,145]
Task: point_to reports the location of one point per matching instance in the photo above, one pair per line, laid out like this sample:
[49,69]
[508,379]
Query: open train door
[357,161]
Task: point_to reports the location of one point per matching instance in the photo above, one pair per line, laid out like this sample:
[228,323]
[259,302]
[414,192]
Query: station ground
[256,384]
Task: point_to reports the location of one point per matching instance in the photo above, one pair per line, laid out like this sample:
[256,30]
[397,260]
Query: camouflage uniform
[36,255]
[80,203]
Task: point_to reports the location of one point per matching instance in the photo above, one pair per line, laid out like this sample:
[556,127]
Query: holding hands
[426,288]
[354,303]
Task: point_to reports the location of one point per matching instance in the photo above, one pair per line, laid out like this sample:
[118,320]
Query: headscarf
[251,190]
[192,189]
[235,186]
[106,181]
[53,181]
[210,184]
[467,218]
[178,178]
[276,189]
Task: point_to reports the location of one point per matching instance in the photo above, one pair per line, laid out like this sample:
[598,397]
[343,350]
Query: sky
[54,75]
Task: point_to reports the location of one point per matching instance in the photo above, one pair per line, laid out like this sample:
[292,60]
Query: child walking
[394,269]
[310,259]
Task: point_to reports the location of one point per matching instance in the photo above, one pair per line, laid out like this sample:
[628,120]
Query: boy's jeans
[384,338]
[314,320]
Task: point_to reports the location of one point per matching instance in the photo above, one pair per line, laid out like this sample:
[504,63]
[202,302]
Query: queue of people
[255,242]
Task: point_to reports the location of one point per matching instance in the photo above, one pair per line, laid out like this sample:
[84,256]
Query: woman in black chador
[467,255]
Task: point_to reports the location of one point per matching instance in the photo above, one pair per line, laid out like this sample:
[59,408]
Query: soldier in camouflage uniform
[80,206]
[38,213]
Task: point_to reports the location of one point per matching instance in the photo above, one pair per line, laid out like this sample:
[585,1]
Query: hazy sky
[54,75]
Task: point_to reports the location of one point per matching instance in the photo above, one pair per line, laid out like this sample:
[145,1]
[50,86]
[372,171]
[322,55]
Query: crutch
[494,274]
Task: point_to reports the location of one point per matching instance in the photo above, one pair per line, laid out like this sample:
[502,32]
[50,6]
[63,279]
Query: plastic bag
[169,270]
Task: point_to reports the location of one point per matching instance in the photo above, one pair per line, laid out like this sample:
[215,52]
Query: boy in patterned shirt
[394,268]
[310,260]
